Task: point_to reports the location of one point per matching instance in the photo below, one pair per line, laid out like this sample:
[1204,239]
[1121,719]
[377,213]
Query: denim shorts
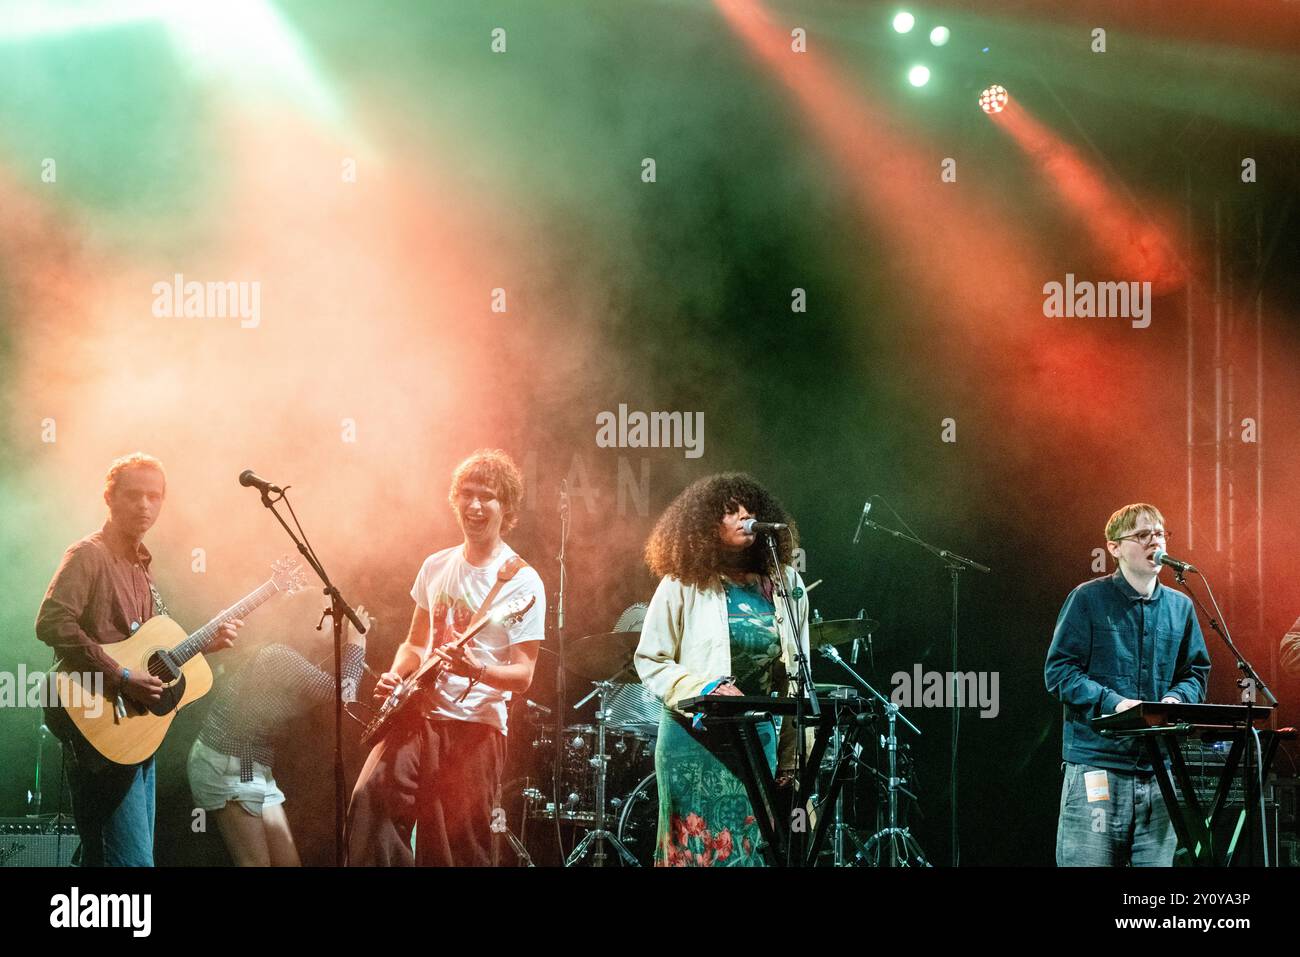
[214,782]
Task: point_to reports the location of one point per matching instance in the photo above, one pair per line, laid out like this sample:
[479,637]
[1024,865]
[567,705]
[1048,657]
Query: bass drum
[638,822]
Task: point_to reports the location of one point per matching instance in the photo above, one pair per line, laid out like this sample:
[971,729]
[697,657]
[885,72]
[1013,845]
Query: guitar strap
[159,606]
[509,569]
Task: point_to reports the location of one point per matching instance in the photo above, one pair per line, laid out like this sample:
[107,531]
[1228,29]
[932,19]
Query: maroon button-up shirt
[99,596]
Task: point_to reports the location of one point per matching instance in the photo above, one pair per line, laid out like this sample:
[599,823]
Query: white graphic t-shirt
[451,590]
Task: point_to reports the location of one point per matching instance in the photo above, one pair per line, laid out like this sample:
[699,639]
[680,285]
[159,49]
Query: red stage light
[994,99]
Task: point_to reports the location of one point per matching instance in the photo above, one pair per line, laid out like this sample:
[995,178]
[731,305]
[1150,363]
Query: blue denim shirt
[1111,643]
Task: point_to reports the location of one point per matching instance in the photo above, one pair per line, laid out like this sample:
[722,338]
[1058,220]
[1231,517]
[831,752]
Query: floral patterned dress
[705,818]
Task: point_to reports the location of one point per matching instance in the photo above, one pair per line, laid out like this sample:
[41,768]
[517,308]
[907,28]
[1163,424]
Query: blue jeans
[1130,826]
[113,804]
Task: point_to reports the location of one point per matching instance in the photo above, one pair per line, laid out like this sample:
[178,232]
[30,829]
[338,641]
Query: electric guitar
[427,675]
[160,647]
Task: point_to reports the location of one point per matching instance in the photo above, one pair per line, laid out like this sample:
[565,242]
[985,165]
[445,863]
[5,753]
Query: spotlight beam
[939,238]
[1132,244]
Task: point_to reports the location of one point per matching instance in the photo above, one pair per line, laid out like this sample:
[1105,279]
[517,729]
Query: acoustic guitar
[160,647]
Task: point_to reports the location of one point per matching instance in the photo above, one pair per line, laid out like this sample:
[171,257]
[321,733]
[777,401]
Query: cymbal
[839,631]
[606,656]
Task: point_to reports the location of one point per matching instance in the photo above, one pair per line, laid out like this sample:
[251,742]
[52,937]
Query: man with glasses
[1120,640]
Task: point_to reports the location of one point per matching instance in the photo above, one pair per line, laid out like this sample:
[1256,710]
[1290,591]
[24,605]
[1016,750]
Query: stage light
[994,99]
[244,44]
[903,22]
[939,36]
[918,75]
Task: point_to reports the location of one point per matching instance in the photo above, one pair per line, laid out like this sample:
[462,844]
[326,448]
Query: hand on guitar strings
[225,636]
[386,685]
[142,688]
[460,660]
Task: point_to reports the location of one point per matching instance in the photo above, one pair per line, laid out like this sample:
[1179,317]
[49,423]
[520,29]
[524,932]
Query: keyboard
[1154,714]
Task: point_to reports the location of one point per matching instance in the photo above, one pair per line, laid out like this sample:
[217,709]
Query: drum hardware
[606,656]
[625,753]
[595,838]
[638,829]
[517,843]
[840,631]
[839,830]
[518,788]
[634,709]
[956,564]
[903,848]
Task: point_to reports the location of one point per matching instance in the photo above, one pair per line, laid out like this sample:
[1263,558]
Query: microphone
[749,526]
[250,479]
[866,510]
[1161,557]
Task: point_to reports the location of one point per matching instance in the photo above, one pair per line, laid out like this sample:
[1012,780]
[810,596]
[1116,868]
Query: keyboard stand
[782,839]
[1194,827]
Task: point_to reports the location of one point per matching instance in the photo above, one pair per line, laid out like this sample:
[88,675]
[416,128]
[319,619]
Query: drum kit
[607,785]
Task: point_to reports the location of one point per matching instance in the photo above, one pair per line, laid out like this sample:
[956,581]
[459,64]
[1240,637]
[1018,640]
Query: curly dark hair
[685,544]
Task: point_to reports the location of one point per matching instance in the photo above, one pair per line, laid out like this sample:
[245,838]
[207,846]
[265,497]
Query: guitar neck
[201,639]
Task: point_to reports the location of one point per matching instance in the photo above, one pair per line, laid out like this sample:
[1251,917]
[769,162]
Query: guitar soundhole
[162,668]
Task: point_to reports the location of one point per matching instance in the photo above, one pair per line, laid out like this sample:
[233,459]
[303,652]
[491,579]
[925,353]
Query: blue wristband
[697,720]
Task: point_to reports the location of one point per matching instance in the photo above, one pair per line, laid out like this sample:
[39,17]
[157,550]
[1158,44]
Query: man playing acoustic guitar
[101,594]
[439,765]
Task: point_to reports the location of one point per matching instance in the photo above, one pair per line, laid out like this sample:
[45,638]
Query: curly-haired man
[440,766]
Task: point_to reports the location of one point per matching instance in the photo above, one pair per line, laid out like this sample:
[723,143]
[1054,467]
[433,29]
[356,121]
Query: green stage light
[939,36]
[904,21]
[244,45]
[919,75]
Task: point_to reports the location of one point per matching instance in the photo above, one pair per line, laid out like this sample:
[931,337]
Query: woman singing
[714,627]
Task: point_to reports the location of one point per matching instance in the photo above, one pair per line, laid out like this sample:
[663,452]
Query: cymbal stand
[903,847]
[516,844]
[839,829]
[501,828]
[599,834]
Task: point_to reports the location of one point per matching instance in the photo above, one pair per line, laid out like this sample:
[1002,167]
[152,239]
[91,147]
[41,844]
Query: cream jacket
[686,643]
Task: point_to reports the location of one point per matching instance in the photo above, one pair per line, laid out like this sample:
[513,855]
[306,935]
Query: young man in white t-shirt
[440,765]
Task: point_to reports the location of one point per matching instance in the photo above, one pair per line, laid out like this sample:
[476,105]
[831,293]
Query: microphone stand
[561,690]
[956,564]
[1249,683]
[338,610]
[804,683]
